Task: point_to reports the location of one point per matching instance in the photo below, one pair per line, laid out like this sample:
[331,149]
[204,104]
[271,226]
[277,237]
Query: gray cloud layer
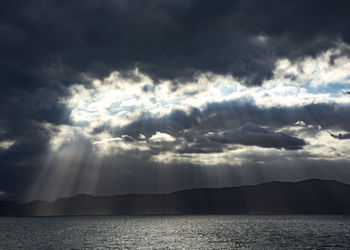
[234,114]
[340,136]
[49,40]
[251,134]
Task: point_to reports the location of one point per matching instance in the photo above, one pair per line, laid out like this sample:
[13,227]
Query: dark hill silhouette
[305,197]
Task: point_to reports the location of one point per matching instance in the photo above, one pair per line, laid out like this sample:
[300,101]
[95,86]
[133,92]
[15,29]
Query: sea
[176,232]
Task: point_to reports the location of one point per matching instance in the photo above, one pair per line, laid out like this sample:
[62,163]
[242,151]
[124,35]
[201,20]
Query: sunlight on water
[174,232]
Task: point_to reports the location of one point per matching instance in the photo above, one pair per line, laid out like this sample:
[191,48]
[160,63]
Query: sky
[114,96]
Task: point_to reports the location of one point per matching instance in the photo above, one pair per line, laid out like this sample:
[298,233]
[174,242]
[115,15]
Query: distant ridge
[305,197]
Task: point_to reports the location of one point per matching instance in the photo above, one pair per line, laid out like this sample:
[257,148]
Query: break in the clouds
[118,96]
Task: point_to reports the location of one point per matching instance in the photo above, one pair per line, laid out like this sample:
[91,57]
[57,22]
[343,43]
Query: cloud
[232,115]
[2,193]
[340,136]
[300,123]
[251,134]
[4,145]
[161,137]
[46,41]
[198,144]
[237,113]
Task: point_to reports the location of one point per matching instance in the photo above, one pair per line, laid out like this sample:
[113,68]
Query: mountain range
[305,197]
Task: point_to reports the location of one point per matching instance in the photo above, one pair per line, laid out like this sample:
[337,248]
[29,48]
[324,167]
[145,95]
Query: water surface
[159,232]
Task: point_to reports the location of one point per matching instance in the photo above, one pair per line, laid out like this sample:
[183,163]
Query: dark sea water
[176,232]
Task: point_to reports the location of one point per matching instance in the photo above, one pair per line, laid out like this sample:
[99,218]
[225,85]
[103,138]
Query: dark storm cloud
[252,135]
[340,136]
[45,40]
[23,115]
[42,104]
[30,140]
